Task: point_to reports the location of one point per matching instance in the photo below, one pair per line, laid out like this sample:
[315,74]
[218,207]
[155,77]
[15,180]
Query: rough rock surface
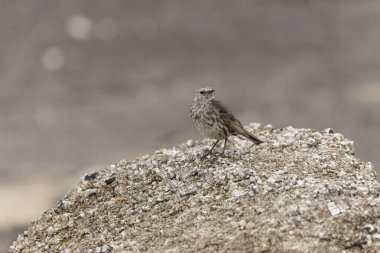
[301,191]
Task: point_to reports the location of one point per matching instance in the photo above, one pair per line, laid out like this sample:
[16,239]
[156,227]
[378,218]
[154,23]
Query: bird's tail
[253,138]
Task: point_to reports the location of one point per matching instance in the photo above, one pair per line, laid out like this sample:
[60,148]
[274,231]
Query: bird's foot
[205,155]
[222,155]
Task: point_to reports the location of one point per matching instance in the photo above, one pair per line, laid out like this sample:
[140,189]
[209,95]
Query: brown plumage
[214,120]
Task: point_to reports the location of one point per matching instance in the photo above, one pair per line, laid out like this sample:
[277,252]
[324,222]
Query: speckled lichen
[300,191]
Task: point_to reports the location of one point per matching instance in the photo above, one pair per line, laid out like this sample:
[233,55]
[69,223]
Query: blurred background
[84,84]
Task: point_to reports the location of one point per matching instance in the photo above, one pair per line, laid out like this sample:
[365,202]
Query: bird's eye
[202,92]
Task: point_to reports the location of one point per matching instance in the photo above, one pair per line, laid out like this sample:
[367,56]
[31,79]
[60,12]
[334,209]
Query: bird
[214,120]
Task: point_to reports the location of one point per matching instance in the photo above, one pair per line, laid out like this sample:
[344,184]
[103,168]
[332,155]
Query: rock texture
[301,191]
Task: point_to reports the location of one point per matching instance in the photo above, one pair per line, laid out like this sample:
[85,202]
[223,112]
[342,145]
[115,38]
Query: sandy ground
[84,84]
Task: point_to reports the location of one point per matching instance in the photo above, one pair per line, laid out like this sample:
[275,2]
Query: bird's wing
[233,124]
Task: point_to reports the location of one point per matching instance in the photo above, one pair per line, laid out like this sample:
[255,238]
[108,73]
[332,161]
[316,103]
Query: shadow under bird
[214,120]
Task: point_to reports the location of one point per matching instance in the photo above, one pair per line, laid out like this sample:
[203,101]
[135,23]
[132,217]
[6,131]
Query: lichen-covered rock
[301,191]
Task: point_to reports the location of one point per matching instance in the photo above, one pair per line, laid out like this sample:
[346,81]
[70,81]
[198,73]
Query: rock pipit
[214,120]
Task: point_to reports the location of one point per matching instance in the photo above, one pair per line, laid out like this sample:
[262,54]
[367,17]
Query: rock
[190,143]
[300,191]
[109,180]
[90,176]
[329,131]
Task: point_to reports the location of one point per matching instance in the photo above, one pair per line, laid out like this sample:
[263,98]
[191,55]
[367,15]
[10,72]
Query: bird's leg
[225,145]
[209,152]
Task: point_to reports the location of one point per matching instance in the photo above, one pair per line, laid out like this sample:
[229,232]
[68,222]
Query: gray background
[84,84]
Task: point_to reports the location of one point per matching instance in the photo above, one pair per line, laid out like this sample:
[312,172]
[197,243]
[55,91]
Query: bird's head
[204,93]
